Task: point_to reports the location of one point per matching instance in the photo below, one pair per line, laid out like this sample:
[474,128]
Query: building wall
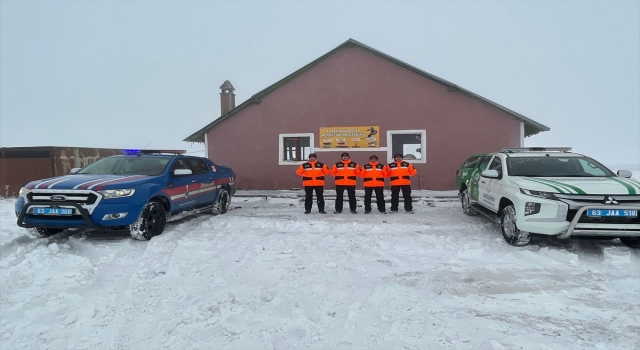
[21,165]
[353,87]
[67,158]
[17,172]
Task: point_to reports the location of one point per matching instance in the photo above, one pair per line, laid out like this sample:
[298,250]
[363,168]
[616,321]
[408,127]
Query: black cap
[312,155]
[373,156]
[344,154]
[398,155]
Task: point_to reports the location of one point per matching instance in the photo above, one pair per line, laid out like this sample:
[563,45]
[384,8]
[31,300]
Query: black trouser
[395,197]
[351,192]
[379,198]
[308,199]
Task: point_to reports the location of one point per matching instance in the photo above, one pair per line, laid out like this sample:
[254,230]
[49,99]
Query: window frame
[281,147]
[423,145]
[502,164]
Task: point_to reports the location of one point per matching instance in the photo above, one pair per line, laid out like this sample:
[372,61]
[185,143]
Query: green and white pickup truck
[550,191]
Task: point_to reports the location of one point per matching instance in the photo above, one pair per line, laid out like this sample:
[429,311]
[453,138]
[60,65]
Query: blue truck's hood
[94,182]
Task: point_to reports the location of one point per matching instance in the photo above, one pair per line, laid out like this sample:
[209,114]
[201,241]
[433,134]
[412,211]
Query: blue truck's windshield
[128,166]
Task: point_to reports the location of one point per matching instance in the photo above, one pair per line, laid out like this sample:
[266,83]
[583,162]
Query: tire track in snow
[136,318]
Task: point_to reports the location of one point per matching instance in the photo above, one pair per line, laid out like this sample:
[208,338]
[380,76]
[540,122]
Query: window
[484,163]
[295,148]
[179,164]
[147,166]
[107,166]
[198,166]
[127,166]
[496,164]
[471,162]
[410,143]
[556,166]
[593,168]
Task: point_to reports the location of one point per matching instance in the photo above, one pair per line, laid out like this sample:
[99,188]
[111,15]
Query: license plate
[612,212]
[52,211]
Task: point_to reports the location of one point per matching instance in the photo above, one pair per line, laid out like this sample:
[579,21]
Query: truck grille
[82,198]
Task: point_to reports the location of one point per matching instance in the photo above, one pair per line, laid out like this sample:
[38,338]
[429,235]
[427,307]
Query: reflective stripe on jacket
[373,174]
[312,173]
[399,173]
[345,173]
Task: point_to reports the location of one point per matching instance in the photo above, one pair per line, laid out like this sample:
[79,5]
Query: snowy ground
[265,276]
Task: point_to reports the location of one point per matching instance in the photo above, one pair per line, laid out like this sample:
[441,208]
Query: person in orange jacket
[373,175]
[313,173]
[345,172]
[399,173]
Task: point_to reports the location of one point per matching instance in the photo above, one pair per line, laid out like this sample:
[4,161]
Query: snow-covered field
[265,276]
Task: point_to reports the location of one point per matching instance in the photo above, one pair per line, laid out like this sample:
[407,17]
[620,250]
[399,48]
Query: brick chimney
[227,97]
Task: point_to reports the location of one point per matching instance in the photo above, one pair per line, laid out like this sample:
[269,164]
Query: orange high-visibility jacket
[345,172]
[373,174]
[312,173]
[399,173]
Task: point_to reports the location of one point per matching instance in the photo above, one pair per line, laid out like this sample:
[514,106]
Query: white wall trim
[281,137]
[521,134]
[423,145]
[206,145]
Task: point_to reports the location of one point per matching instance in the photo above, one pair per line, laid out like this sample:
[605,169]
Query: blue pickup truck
[138,191]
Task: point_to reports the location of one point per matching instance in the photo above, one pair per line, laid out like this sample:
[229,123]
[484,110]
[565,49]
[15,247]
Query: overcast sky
[131,74]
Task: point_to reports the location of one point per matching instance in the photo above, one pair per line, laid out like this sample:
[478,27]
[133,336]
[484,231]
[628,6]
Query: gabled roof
[531,127]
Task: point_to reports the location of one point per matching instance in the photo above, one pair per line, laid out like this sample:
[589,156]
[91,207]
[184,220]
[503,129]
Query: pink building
[359,100]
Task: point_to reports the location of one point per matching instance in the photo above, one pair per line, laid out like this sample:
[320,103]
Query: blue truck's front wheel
[150,223]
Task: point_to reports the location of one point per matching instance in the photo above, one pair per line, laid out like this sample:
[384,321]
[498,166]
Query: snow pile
[266,276]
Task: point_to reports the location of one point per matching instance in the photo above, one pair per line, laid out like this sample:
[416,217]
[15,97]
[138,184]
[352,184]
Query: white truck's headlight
[23,192]
[117,193]
[539,194]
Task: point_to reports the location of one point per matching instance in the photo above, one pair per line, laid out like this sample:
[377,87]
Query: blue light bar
[151,151]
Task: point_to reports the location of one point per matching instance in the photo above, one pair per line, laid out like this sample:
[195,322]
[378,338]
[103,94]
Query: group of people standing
[346,172]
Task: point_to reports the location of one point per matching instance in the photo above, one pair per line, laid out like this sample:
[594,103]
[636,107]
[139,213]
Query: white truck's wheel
[509,228]
[464,200]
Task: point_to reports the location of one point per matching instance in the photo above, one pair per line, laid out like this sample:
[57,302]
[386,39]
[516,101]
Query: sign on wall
[350,137]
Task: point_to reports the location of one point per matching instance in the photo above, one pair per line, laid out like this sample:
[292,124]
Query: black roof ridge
[533,127]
